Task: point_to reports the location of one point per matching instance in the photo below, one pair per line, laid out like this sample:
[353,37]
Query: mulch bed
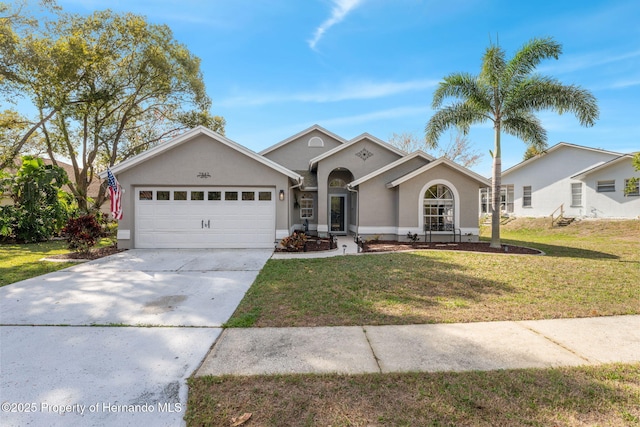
[313,245]
[391,246]
[91,255]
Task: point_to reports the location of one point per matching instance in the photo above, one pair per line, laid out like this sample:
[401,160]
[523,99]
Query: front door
[338,213]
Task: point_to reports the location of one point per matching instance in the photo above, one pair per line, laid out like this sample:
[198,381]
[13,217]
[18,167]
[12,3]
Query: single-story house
[582,182]
[202,190]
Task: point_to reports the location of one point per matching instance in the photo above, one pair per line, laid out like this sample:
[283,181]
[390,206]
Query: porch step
[503,220]
[564,221]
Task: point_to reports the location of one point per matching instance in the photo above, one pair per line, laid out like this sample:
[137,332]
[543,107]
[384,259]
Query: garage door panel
[205,223]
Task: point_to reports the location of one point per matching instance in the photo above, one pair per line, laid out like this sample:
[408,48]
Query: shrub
[82,233]
[37,213]
[412,237]
[295,242]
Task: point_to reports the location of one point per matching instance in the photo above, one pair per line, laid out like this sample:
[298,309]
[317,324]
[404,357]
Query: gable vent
[316,141]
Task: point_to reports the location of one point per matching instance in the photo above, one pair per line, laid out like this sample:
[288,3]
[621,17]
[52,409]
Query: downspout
[357,236]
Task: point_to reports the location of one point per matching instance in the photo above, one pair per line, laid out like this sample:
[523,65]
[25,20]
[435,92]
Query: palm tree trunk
[496,184]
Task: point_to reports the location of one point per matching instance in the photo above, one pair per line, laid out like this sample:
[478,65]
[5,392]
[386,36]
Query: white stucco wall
[611,204]
[550,179]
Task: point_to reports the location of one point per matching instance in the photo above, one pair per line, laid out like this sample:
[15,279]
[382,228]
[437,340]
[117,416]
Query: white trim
[378,230]
[189,135]
[392,165]
[442,160]
[456,203]
[600,166]
[301,134]
[552,149]
[402,231]
[355,140]
[323,228]
[281,234]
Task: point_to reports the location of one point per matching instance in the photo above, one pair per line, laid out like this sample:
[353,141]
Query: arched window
[337,183]
[439,208]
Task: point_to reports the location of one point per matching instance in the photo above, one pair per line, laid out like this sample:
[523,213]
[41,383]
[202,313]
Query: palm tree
[508,93]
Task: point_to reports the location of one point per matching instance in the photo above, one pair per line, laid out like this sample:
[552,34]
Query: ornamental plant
[82,233]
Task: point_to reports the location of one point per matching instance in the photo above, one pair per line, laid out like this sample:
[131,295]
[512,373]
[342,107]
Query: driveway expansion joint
[557,343]
[373,352]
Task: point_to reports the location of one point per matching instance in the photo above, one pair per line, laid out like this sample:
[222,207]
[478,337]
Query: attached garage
[202,190]
[205,217]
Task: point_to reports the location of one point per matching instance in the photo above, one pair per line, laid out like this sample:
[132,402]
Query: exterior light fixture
[281,195]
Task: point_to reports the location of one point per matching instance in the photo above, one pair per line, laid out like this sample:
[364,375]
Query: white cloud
[572,63]
[349,91]
[376,116]
[340,10]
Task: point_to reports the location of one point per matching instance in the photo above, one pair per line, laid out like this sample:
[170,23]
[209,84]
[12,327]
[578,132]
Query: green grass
[605,395]
[22,261]
[591,268]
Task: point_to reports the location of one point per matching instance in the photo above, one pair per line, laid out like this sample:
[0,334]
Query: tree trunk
[496,184]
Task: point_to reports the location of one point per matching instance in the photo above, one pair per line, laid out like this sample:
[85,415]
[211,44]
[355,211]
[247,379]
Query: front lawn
[591,268]
[22,261]
[591,395]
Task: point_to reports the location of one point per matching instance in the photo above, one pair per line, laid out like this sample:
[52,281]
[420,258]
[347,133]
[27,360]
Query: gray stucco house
[202,190]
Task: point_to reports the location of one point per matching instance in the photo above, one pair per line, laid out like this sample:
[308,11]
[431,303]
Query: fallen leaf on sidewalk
[238,421]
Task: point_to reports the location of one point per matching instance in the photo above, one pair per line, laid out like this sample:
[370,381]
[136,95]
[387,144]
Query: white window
[337,183]
[316,141]
[576,194]
[632,187]
[506,198]
[608,186]
[306,208]
[438,209]
[526,196]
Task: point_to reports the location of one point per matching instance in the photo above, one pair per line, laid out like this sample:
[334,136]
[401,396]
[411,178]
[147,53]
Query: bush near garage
[82,233]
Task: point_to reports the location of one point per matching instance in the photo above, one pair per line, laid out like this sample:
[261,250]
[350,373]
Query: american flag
[116,195]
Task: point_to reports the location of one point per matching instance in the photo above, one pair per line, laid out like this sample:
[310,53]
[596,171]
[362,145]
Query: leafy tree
[457,150]
[507,93]
[107,86]
[23,66]
[633,182]
[136,82]
[531,152]
[37,212]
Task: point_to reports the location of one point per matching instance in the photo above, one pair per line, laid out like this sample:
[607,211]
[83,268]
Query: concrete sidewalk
[429,348]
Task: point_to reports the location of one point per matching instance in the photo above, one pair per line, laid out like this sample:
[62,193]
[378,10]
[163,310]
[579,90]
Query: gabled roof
[602,165]
[392,165]
[554,148]
[189,135]
[300,134]
[355,140]
[441,161]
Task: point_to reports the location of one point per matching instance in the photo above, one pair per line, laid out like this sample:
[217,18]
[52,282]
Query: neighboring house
[583,182]
[202,190]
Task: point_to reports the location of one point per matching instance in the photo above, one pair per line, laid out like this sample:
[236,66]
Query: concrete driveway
[61,372]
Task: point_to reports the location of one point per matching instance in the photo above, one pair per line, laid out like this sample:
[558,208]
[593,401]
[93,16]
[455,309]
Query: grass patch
[591,269]
[594,395]
[22,261]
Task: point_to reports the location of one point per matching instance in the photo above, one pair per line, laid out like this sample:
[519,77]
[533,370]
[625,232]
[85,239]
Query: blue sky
[276,67]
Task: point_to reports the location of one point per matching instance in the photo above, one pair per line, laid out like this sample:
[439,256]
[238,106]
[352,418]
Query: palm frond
[493,66]
[460,115]
[543,93]
[457,85]
[527,127]
[529,57]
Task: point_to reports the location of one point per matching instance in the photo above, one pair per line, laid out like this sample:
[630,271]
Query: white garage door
[205,217]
